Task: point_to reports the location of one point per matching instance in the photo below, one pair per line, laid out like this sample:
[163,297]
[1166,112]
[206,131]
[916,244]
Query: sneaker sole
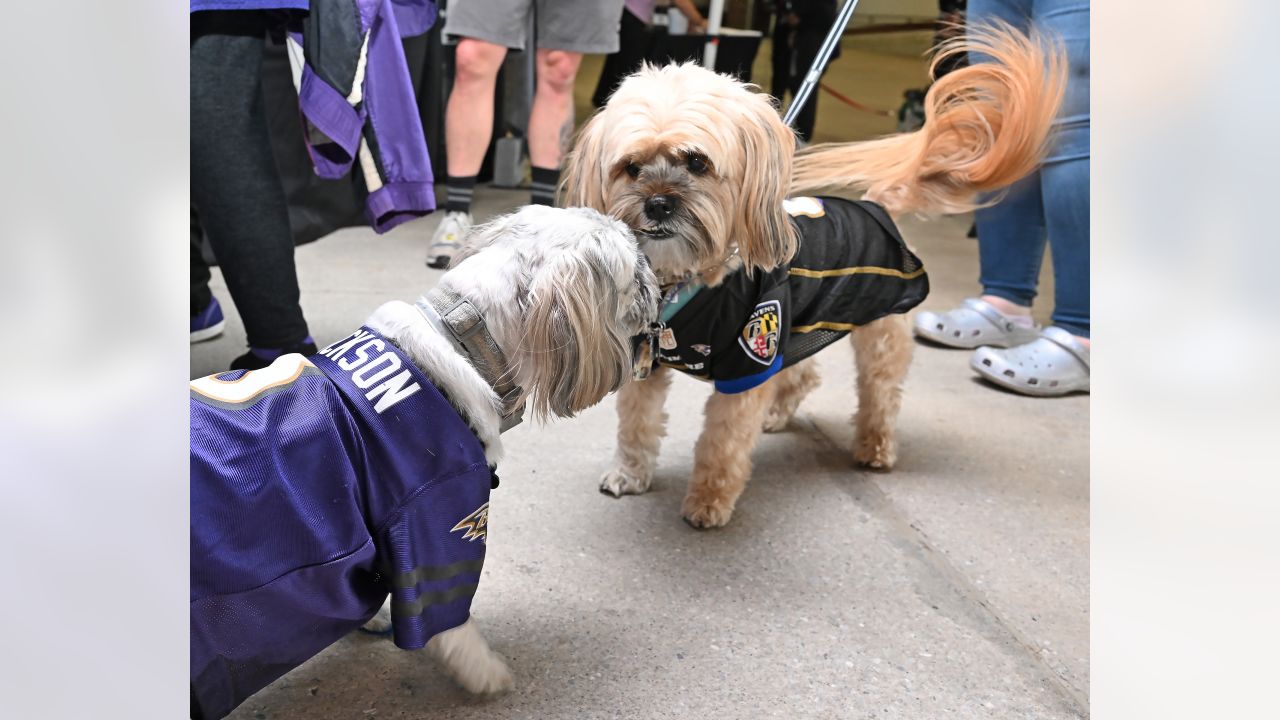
[208,333]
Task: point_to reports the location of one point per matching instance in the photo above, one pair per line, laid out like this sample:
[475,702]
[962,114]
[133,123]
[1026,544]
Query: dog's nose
[660,207]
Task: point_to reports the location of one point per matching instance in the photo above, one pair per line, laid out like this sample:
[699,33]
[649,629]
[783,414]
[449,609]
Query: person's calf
[551,117]
[469,111]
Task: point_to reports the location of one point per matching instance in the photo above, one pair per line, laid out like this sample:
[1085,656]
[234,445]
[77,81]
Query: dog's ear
[584,175]
[573,353]
[766,238]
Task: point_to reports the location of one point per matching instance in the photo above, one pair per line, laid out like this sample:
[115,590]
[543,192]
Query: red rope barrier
[853,103]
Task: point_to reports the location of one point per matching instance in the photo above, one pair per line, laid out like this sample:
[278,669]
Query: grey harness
[469,334]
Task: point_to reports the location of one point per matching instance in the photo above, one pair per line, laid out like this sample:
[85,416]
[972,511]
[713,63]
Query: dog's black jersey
[852,267]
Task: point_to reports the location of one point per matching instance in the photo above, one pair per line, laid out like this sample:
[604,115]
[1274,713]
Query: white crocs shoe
[974,324]
[1053,365]
[447,239]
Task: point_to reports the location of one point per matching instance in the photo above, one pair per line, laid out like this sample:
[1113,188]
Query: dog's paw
[466,657]
[618,482]
[380,623]
[486,677]
[703,514]
[875,452]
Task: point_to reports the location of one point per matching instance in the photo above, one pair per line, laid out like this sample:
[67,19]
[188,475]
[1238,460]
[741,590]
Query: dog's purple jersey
[318,485]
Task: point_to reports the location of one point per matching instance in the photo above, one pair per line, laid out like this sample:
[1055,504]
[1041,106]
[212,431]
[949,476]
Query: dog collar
[673,299]
[677,297]
[466,329]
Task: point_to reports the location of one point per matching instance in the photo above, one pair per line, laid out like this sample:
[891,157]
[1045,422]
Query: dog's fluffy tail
[986,126]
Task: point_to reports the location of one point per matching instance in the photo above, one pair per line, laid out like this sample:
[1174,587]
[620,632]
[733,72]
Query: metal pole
[820,62]
[714,14]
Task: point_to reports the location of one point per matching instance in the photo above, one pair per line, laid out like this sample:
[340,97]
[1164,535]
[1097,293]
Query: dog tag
[646,350]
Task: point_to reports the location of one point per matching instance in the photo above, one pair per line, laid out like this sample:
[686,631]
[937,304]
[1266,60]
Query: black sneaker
[258,358]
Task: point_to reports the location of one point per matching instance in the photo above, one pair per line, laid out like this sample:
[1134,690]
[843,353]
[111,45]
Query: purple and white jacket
[356,97]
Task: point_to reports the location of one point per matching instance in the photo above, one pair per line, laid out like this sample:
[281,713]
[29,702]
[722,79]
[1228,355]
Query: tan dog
[698,165]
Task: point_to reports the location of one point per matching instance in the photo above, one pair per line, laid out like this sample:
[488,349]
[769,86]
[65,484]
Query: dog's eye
[697,164]
[633,170]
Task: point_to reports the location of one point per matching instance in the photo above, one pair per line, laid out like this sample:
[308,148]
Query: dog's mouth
[655,233]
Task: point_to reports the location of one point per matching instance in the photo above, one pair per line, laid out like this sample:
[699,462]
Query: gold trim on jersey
[857,270]
[824,325]
[285,370]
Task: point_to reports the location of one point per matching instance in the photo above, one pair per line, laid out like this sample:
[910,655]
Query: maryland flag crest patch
[760,335]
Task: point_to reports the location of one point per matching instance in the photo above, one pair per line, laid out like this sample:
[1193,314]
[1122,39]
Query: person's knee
[557,70]
[477,61]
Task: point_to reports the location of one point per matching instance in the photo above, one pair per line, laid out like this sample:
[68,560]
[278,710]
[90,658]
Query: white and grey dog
[540,277]
[319,483]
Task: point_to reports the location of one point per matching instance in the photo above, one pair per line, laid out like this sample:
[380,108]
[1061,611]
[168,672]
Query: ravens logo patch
[474,526]
[760,335]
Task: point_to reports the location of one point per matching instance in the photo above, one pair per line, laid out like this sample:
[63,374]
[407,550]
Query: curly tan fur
[986,126]
[882,352]
[656,120]
[642,423]
[722,457]
[790,388]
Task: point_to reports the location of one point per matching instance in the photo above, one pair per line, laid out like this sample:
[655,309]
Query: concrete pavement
[954,587]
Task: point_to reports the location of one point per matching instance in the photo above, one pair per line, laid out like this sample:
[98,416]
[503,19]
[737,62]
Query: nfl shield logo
[760,335]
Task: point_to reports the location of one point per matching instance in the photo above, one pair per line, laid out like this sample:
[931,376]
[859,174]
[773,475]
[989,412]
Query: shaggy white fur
[466,657]
[435,354]
[562,292]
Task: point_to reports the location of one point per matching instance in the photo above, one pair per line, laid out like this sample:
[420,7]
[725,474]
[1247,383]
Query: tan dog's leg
[642,423]
[722,457]
[883,354]
[790,387]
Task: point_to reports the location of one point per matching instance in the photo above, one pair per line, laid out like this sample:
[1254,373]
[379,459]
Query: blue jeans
[1052,204]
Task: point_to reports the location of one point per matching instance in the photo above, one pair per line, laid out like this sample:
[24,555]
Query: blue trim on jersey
[743,384]
[677,298]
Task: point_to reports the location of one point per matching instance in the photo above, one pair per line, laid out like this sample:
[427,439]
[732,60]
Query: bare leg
[468,117]
[551,117]
[883,355]
[790,387]
[722,457]
[641,426]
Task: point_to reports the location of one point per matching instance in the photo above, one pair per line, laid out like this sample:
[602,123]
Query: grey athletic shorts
[581,26]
